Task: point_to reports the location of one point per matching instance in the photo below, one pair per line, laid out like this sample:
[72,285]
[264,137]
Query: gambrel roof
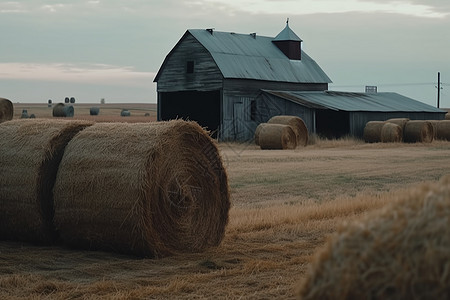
[250,56]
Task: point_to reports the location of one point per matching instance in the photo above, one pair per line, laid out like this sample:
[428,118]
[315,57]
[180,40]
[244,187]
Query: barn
[230,82]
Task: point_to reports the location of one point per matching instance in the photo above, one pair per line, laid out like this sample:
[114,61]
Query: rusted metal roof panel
[347,101]
[249,56]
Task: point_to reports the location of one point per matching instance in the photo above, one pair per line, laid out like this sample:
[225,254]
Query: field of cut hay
[286,204]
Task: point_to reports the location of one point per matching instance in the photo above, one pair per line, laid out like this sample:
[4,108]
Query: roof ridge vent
[253,34]
[210,30]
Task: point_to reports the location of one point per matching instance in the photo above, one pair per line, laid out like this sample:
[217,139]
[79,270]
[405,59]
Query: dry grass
[286,203]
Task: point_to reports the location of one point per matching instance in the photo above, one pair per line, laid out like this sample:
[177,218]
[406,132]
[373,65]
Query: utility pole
[439,89]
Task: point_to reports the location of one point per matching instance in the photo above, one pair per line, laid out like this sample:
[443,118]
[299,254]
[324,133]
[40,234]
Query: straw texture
[30,152]
[391,133]
[297,124]
[277,136]
[372,131]
[148,189]
[418,131]
[399,252]
[443,130]
[399,121]
[6,110]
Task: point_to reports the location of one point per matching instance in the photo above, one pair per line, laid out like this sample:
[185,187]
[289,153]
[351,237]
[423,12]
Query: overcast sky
[112,49]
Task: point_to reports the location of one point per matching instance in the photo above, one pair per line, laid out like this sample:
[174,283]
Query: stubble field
[285,204]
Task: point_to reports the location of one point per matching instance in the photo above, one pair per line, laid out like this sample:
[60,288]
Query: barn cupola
[289,43]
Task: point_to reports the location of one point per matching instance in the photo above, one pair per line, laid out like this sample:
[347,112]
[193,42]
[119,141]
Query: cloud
[304,7]
[76,73]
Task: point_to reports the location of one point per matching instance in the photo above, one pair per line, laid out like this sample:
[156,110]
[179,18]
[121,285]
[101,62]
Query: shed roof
[249,56]
[349,101]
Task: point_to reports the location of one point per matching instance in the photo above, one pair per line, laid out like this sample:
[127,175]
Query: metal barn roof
[347,101]
[249,56]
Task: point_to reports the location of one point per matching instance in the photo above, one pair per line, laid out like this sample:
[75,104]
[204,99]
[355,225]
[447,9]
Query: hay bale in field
[418,131]
[443,130]
[399,252]
[399,121]
[125,113]
[149,189]
[277,136]
[257,131]
[6,110]
[62,110]
[372,131]
[297,124]
[30,152]
[94,111]
[434,125]
[391,133]
[447,116]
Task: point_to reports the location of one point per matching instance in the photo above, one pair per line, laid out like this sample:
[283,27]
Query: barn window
[190,67]
[253,110]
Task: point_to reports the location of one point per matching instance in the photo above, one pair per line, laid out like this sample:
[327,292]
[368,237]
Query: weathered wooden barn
[231,82]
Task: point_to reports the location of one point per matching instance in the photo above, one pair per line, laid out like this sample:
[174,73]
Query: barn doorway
[199,106]
[332,124]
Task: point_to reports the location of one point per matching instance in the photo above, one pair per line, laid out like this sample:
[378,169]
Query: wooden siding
[206,75]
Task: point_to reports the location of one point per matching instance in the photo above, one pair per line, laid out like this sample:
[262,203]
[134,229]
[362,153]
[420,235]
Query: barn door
[238,120]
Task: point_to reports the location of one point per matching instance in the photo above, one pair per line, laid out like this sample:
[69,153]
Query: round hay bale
[94,111]
[399,252]
[277,136]
[257,131]
[61,110]
[418,131]
[148,189]
[30,152]
[434,125]
[125,113]
[372,131]
[399,121]
[32,116]
[6,110]
[447,116]
[297,124]
[443,130]
[391,133]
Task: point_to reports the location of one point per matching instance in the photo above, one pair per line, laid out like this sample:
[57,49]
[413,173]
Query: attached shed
[333,114]
[215,77]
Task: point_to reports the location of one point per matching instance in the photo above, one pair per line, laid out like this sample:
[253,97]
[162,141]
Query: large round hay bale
[30,152]
[297,124]
[434,125]
[148,189]
[277,136]
[62,110]
[399,252]
[372,131]
[94,111]
[418,131]
[447,116]
[391,133]
[257,131]
[6,110]
[443,130]
[399,121]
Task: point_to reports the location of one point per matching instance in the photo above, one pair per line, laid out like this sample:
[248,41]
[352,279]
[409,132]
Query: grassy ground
[285,205]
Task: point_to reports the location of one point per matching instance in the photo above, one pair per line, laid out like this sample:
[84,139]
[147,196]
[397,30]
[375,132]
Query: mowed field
[285,204]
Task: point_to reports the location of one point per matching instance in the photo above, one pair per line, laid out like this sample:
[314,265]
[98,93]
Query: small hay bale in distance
[24,114]
[125,113]
[398,252]
[6,110]
[276,136]
[391,133]
[297,124]
[94,111]
[418,131]
[149,189]
[443,130]
[63,111]
[372,131]
[30,152]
